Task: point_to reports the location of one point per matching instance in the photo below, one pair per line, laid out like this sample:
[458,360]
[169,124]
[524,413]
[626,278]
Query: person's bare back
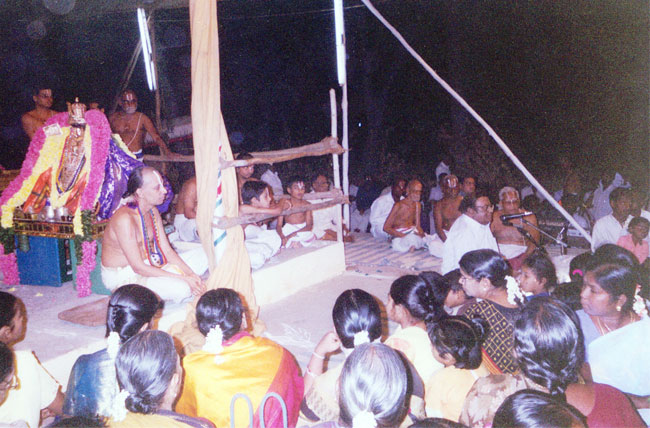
[188,199]
[124,227]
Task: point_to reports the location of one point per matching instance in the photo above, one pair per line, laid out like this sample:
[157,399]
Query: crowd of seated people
[520,351]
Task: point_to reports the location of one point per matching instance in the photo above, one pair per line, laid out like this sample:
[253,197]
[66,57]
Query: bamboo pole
[228,222]
[335,164]
[346,183]
[504,147]
[126,76]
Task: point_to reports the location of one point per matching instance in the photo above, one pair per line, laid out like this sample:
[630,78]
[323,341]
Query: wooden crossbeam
[228,222]
[326,146]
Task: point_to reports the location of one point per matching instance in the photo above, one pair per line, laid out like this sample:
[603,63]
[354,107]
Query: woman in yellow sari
[412,304]
[232,361]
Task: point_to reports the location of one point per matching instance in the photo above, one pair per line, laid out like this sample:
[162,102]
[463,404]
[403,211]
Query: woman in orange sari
[232,361]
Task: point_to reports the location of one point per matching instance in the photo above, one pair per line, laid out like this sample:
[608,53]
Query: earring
[618,308]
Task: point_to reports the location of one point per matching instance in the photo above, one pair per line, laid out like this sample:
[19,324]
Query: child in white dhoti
[295,230]
[261,244]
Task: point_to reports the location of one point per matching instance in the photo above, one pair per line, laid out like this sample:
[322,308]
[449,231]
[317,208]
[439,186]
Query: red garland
[84,270]
[100,133]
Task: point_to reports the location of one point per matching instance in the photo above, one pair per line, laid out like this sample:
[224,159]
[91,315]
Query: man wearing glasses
[133,125]
[512,244]
[35,119]
[471,231]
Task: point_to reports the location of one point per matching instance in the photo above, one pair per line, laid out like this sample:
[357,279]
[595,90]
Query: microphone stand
[528,236]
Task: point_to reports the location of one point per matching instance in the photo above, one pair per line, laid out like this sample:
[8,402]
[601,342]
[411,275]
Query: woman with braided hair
[549,351]
[413,305]
[92,384]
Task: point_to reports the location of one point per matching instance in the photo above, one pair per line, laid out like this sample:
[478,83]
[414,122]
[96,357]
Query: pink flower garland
[100,133]
[9,267]
[32,157]
[87,265]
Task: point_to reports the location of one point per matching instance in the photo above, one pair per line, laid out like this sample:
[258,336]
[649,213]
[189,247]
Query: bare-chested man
[33,120]
[403,222]
[185,218]
[445,211]
[133,125]
[135,248]
[244,173]
[512,244]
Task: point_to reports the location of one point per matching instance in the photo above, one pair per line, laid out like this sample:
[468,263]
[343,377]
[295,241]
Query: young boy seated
[261,244]
[295,229]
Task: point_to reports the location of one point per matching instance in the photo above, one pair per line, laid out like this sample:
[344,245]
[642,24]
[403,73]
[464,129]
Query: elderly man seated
[512,243]
[403,222]
[135,249]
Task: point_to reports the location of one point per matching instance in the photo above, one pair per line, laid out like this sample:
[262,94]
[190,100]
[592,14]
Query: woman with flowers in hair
[374,389]
[413,305]
[92,384]
[232,361]
[149,375]
[616,327]
[549,349]
[357,320]
[486,276]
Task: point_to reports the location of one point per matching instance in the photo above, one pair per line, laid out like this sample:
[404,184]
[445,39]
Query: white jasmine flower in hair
[214,343]
[119,410]
[113,344]
[515,293]
[364,419]
[639,306]
[361,337]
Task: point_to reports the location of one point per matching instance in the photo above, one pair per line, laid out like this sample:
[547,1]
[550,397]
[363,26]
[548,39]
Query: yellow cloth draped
[139,420]
[250,365]
[209,132]
[446,390]
[415,344]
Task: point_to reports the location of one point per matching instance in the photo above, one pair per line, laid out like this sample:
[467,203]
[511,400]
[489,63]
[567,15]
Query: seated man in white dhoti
[471,231]
[325,219]
[135,249]
[512,244]
[261,243]
[185,218]
[403,222]
[382,206]
[295,230]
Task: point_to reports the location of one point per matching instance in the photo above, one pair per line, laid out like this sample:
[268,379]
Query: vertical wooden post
[346,183]
[335,165]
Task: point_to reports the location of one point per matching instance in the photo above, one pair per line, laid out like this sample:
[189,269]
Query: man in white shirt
[271,177]
[609,228]
[382,206]
[600,202]
[471,231]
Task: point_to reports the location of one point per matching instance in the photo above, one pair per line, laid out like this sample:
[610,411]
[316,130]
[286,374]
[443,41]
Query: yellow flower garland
[49,156]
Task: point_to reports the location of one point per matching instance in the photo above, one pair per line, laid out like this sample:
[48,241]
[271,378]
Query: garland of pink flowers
[9,267]
[100,133]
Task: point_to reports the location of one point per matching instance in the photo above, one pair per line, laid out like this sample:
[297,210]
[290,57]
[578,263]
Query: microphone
[514,216]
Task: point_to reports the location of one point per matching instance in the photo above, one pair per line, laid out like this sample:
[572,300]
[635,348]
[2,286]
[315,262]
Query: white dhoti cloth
[435,244]
[173,290]
[510,251]
[359,221]
[410,240]
[186,228]
[261,244]
[302,238]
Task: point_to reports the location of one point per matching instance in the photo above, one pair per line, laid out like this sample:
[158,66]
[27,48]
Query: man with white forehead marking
[135,249]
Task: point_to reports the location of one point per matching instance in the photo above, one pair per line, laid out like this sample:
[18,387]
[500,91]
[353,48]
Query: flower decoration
[9,267]
[113,342]
[119,410]
[516,296]
[214,343]
[364,419]
[361,337]
[639,306]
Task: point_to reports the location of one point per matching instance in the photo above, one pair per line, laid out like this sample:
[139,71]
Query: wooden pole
[154,59]
[346,183]
[335,165]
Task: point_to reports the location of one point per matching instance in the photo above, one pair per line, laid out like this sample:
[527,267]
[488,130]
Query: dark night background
[567,77]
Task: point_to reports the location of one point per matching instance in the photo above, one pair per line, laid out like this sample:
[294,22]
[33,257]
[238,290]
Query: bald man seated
[403,222]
